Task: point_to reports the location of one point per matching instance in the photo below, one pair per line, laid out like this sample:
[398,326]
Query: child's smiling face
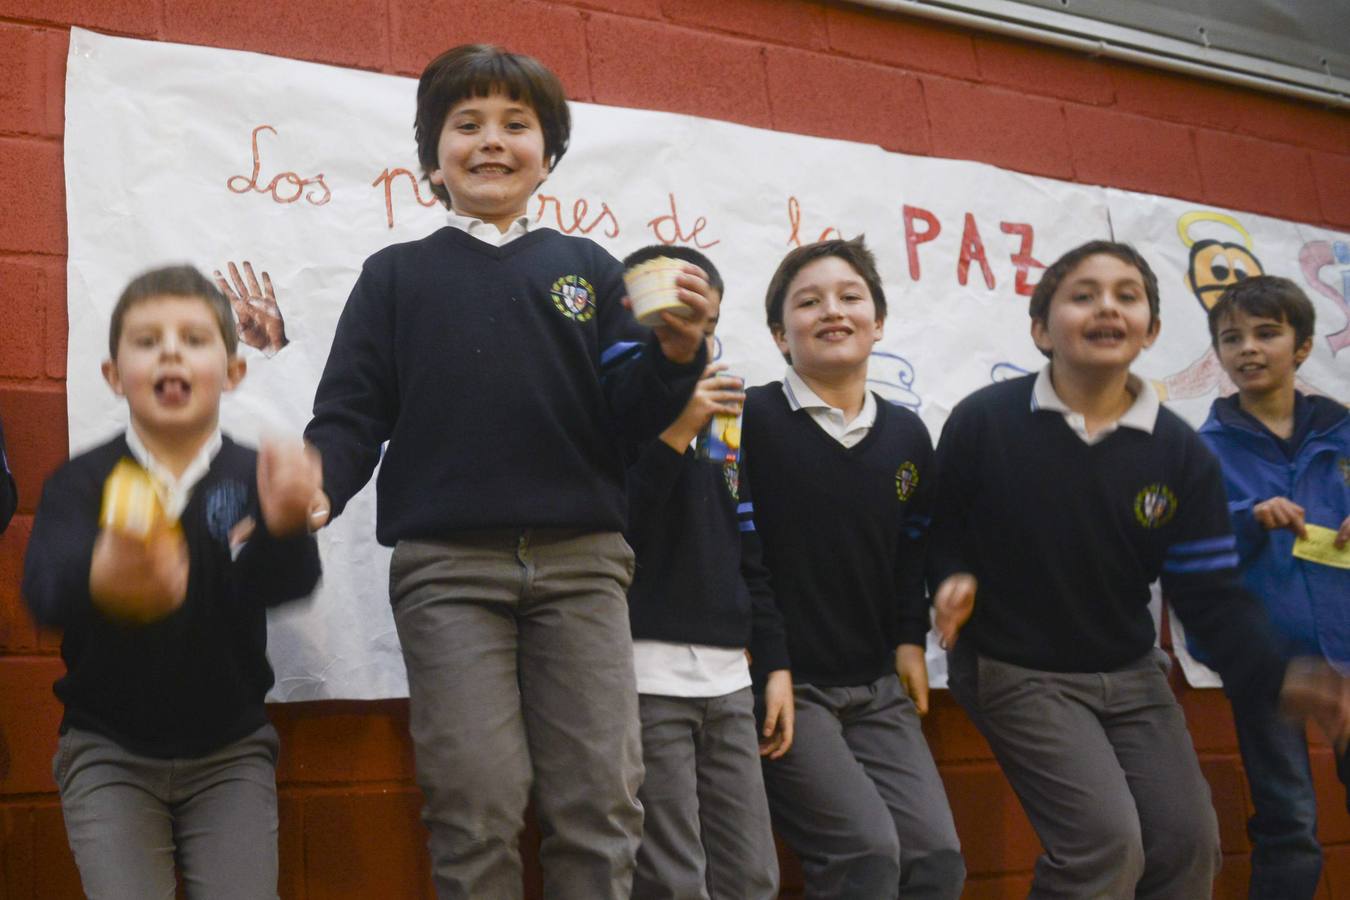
[172,366]
[490,157]
[829,319]
[1099,316]
[1259,354]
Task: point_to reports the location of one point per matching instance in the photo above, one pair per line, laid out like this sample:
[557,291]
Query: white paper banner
[178,153]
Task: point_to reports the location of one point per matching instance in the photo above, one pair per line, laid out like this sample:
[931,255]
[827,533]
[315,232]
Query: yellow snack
[131,502]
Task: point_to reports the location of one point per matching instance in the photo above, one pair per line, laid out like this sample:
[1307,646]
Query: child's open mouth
[834,334]
[1106,335]
[172,391]
[491,169]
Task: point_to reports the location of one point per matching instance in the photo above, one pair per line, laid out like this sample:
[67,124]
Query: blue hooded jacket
[1308,603]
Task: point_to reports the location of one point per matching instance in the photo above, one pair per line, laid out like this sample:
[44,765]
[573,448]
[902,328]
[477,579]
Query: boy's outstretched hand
[912,668]
[1312,689]
[679,337]
[779,715]
[1280,512]
[953,604]
[139,580]
[289,478]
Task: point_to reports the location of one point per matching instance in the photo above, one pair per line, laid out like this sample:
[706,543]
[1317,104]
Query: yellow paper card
[1319,547]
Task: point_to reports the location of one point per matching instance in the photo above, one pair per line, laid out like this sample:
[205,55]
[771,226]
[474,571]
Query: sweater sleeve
[61,548]
[357,400]
[1200,580]
[644,390]
[768,634]
[651,481]
[271,570]
[954,503]
[911,556]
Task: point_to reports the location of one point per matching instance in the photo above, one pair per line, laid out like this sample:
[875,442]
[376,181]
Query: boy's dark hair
[1039,307]
[688,254]
[1268,297]
[854,252]
[174,281]
[477,70]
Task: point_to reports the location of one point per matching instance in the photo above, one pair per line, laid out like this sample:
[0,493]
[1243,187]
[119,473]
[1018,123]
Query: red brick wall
[349,824]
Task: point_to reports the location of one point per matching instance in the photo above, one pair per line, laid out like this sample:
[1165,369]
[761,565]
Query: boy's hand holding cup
[139,571]
[671,296]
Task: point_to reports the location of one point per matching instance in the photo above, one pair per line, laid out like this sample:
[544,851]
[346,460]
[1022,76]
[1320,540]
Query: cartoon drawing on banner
[258,318]
[1213,266]
[897,381]
[1313,258]
[1006,371]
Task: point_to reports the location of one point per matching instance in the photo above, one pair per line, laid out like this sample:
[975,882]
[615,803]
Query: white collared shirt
[486,231]
[830,418]
[174,492]
[689,670]
[1141,416]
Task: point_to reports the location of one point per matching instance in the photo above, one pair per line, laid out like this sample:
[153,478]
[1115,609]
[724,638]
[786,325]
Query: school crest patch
[574,297]
[225,506]
[906,480]
[1155,505]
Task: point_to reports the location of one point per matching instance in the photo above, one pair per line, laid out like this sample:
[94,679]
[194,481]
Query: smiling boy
[1063,495]
[500,365]
[1286,465]
[843,485]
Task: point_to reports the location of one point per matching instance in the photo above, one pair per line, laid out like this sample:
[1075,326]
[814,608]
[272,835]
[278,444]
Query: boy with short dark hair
[166,755]
[500,365]
[700,597]
[1063,496]
[843,484]
[1286,467]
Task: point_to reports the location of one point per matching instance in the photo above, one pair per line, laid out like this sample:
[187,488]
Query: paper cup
[651,287]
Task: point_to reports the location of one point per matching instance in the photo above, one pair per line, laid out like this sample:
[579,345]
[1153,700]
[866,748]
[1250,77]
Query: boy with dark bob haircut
[1063,495]
[843,485]
[700,604]
[1286,467]
[500,365]
[166,755]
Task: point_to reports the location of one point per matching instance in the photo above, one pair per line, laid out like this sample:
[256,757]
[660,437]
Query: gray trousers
[859,799]
[706,832]
[520,674]
[130,819]
[1106,772]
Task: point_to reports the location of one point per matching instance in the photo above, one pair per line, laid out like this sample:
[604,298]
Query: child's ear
[1040,336]
[235,370]
[779,338]
[878,330]
[1302,352]
[1154,328]
[112,376]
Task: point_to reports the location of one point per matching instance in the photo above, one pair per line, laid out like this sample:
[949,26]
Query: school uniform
[843,518]
[165,747]
[1307,609]
[1057,665]
[502,378]
[700,597]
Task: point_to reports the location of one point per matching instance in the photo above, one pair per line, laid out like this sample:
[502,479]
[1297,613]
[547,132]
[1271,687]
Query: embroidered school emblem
[906,480]
[1155,506]
[574,297]
[225,505]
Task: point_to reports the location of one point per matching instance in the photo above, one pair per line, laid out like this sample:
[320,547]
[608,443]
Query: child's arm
[280,560]
[647,376]
[357,398]
[911,666]
[73,570]
[950,571]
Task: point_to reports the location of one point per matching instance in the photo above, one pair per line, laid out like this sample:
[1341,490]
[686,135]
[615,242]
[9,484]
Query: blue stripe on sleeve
[619,349]
[744,508]
[1204,547]
[748,525]
[1211,563]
